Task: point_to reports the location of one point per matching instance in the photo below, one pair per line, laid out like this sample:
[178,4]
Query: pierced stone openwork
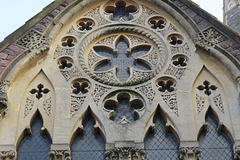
[80,86]
[69,41]
[157,22]
[123,58]
[124,106]
[65,63]
[175,39]
[207,88]
[121,10]
[180,61]
[85,24]
[166,84]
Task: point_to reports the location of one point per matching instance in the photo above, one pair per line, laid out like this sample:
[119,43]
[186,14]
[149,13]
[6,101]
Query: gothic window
[215,144]
[161,144]
[88,145]
[36,145]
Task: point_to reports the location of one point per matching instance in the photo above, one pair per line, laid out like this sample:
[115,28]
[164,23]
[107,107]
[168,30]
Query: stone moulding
[122,28]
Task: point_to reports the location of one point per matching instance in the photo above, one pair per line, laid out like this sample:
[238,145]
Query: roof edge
[29,24]
[213,20]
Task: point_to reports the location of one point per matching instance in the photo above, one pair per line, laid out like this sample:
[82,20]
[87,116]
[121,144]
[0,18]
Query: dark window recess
[36,145]
[161,144]
[215,144]
[88,146]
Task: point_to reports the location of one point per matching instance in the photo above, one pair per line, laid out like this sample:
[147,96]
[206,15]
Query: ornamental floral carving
[125,153]
[34,40]
[60,155]
[7,155]
[188,152]
[3,97]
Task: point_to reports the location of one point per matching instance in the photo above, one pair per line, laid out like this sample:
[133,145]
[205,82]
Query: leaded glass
[215,144]
[88,146]
[36,145]
[161,144]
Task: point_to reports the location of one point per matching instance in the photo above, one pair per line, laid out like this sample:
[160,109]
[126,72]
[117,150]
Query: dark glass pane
[215,144]
[35,146]
[88,146]
[161,144]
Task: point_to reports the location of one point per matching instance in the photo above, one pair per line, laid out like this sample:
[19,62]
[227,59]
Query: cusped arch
[221,125]
[78,128]
[35,140]
[214,138]
[170,125]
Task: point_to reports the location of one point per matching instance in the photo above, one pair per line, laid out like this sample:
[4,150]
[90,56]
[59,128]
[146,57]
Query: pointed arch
[214,142]
[35,142]
[87,142]
[162,140]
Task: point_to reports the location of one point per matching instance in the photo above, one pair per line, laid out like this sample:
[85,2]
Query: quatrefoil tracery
[124,107]
[80,86]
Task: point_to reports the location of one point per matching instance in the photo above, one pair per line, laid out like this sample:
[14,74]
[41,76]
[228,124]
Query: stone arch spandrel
[208,93]
[39,96]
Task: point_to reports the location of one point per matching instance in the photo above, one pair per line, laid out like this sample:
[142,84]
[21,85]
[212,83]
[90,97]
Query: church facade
[121,80]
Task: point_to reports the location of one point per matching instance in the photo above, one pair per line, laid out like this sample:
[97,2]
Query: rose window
[123,58]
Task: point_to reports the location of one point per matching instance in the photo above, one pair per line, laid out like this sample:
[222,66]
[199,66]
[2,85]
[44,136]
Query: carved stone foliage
[148,91]
[71,73]
[47,104]
[60,155]
[34,40]
[182,49]
[76,103]
[7,155]
[146,12]
[167,87]
[123,59]
[98,92]
[171,101]
[124,106]
[189,152]
[200,103]
[214,36]
[60,51]
[218,102]
[209,38]
[175,71]
[237,153]
[28,106]
[3,97]
[95,14]
[125,153]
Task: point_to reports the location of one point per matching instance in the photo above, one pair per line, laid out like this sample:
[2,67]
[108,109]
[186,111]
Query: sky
[14,13]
